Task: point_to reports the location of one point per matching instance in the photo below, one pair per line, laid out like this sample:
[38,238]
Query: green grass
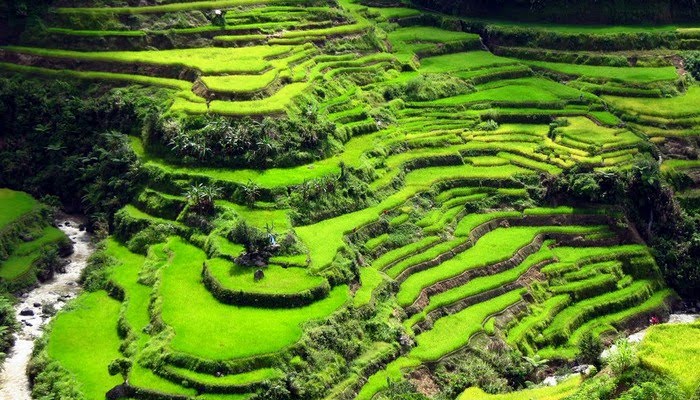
[685,105]
[242,379]
[210,60]
[439,341]
[380,380]
[609,321]
[370,279]
[498,245]
[442,340]
[14,204]
[513,91]
[325,238]
[277,280]
[24,254]
[84,341]
[163,8]
[622,74]
[232,332]
[259,217]
[126,274]
[145,378]
[268,178]
[427,255]
[572,317]
[462,62]
[571,258]
[240,83]
[560,391]
[482,284]
[393,255]
[674,350]
[94,75]
[540,314]
[408,40]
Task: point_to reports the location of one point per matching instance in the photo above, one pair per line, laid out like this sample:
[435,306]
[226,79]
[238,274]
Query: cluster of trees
[330,196]
[67,139]
[571,11]
[242,142]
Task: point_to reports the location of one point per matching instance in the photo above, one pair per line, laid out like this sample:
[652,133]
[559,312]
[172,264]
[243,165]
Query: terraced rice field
[23,215]
[448,166]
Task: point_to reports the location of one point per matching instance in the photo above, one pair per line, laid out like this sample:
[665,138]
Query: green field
[338,200]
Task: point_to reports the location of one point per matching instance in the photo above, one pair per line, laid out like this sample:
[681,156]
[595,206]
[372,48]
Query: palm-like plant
[251,193]
[202,197]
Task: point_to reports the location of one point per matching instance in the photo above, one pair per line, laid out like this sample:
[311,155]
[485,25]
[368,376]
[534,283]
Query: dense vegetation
[335,200]
[559,11]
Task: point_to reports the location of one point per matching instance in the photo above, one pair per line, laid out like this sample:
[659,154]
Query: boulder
[27,312]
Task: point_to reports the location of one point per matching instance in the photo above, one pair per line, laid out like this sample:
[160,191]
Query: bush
[692,63]
[623,357]
[152,234]
[95,275]
[589,349]
[600,387]
[252,238]
[48,263]
[8,326]
[435,86]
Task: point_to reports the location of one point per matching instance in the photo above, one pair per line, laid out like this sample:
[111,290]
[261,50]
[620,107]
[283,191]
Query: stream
[14,383]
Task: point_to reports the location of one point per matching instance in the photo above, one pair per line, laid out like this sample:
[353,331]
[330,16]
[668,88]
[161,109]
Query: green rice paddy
[449,238]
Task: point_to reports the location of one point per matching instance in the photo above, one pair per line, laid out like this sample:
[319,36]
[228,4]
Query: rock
[27,312]
[37,304]
[405,340]
[580,368]
[81,227]
[550,381]
[28,323]
[67,223]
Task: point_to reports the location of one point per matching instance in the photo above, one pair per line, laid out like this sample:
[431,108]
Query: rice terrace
[349,199]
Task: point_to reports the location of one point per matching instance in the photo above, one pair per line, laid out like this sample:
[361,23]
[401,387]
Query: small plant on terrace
[251,193]
[201,198]
[623,357]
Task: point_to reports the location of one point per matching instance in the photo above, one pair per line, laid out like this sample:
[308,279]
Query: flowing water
[14,384]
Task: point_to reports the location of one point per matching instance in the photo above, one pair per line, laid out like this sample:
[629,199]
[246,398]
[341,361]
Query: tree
[589,349]
[120,366]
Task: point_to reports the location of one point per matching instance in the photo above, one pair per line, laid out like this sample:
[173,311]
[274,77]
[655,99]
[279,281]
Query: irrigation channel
[14,384]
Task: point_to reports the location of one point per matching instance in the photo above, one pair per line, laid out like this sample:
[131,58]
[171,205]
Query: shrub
[589,349]
[152,234]
[692,63]
[623,357]
[458,373]
[435,86]
[600,387]
[252,238]
[95,275]
[8,325]
[47,263]
[489,125]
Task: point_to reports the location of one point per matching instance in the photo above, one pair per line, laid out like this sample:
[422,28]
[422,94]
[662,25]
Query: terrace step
[468,301]
[244,382]
[276,293]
